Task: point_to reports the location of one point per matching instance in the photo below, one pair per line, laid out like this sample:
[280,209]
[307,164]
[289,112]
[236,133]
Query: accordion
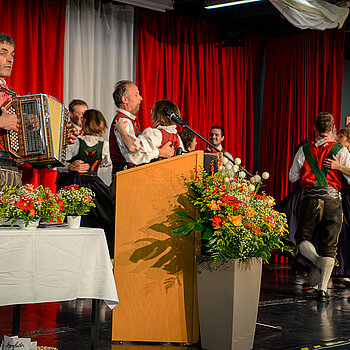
[41,139]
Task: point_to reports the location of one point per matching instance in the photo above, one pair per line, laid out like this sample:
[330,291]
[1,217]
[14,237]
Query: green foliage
[29,203]
[77,200]
[234,221]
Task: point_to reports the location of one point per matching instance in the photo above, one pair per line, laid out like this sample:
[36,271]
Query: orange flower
[236,220]
[26,206]
[213,205]
[250,212]
[60,204]
[31,212]
[40,200]
[270,200]
[216,222]
[30,188]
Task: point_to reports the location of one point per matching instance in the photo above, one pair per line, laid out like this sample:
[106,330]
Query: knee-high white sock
[308,250]
[327,265]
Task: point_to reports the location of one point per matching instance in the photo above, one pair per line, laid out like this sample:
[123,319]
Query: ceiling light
[218,4]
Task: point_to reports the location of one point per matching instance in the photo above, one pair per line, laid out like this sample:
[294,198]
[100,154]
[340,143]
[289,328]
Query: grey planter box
[228,299]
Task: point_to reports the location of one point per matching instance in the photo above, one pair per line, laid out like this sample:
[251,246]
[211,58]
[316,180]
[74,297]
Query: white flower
[241,174]
[265,175]
[238,161]
[251,188]
[235,168]
[224,160]
[220,168]
[226,179]
[228,167]
[257,178]
[252,179]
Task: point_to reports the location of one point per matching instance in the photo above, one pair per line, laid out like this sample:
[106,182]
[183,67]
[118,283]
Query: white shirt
[129,129]
[72,151]
[148,143]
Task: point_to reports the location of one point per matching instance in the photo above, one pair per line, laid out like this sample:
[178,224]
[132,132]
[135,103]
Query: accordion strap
[8,91]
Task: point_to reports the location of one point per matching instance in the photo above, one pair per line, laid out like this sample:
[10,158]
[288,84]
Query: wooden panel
[154,271]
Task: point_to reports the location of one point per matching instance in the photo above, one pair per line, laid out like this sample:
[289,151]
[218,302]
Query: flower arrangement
[77,200]
[234,220]
[29,203]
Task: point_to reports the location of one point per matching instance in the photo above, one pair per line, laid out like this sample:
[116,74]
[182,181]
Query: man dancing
[321,203]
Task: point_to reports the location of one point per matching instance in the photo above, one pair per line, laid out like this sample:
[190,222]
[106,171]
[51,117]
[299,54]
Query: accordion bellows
[41,139]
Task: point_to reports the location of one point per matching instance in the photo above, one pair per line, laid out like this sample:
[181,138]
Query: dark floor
[284,302]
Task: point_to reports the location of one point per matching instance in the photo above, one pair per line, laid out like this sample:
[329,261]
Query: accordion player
[41,139]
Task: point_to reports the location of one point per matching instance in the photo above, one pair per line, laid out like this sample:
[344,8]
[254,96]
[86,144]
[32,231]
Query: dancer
[320,204]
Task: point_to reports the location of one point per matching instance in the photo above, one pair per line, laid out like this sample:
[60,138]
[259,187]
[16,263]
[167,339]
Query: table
[56,264]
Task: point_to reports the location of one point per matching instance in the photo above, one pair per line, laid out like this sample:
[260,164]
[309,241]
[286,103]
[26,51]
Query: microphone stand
[179,121]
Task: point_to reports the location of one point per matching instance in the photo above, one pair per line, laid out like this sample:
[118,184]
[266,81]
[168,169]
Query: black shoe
[322,296]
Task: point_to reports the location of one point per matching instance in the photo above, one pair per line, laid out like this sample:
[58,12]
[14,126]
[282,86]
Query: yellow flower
[236,220]
[270,200]
[250,212]
[213,205]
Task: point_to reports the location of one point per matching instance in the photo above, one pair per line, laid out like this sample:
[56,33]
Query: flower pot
[228,299]
[5,221]
[73,221]
[32,225]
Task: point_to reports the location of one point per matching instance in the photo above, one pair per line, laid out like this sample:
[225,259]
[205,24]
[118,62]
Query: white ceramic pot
[73,221]
[32,225]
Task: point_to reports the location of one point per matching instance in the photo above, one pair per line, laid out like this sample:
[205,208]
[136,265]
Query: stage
[284,302]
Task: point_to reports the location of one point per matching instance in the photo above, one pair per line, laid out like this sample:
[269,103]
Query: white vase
[73,221]
[228,300]
[5,221]
[32,225]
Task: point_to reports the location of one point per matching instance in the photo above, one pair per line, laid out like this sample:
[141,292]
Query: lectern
[155,272]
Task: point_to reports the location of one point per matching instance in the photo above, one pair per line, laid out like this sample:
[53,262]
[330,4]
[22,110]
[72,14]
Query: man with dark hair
[216,137]
[320,207]
[77,109]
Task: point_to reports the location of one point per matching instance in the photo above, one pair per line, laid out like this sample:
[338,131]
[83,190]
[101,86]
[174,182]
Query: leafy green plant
[233,219]
[77,200]
[29,203]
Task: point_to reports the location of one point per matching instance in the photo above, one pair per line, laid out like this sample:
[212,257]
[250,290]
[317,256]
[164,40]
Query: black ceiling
[261,17]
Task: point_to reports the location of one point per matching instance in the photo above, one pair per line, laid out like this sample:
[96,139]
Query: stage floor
[284,302]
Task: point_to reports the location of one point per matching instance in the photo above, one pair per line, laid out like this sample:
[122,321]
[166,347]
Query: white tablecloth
[55,264]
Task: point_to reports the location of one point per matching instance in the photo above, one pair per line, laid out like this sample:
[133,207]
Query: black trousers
[324,215]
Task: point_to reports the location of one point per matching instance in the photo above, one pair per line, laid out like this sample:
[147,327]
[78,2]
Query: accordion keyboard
[13,135]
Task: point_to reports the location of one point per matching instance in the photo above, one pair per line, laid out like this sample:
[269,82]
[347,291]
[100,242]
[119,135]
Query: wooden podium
[155,272]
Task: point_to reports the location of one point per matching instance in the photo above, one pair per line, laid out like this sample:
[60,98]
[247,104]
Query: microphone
[175,118]
[178,151]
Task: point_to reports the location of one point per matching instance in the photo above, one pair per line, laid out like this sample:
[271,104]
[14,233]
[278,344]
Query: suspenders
[320,173]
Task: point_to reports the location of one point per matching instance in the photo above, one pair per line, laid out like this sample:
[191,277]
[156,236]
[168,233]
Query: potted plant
[239,229]
[27,205]
[77,201]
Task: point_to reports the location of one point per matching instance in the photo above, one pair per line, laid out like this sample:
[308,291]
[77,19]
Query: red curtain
[37,28]
[303,76]
[182,59]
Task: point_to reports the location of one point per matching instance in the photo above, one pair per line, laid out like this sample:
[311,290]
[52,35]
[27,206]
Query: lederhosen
[320,207]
